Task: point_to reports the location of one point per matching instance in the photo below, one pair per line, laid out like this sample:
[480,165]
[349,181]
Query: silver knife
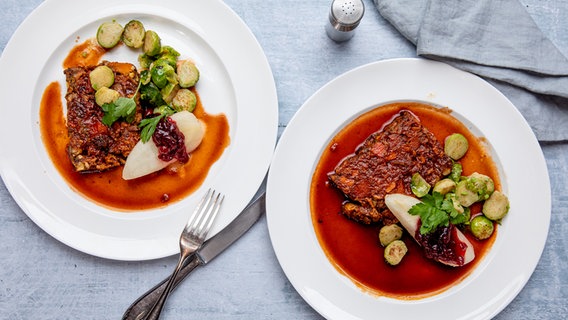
[210,249]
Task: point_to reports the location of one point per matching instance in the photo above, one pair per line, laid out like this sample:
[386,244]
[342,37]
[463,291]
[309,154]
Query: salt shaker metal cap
[344,17]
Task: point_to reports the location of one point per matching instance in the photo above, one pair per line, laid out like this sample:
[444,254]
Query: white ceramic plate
[235,80]
[504,270]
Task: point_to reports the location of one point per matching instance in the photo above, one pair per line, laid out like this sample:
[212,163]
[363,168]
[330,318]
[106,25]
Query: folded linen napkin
[497,40]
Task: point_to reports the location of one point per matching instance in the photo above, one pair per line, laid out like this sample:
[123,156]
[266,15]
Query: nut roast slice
[93,146]
[384,164]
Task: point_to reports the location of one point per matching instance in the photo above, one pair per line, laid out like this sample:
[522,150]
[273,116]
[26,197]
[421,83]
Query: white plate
[235,80]
[504,270]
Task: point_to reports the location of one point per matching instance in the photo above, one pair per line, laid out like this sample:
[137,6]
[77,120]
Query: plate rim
[321,301]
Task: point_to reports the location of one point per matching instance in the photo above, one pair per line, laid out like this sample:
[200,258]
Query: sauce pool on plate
[354,248]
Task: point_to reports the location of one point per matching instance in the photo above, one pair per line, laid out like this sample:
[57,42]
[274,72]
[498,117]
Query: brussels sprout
[184,99]
[188,74]
[419,186]
[464,195]
[133,35]
[444,186]
[169,55]
[394,252]
[169,51]
[169,60]
[145,77]
[145,61]
[152,43]
[473,188]
[169,92]
[101,76]
[162,74]
[496,207]
[170,71]
[455,146]
[164,109]
[151,94]
[108,34]
[106,95]
[481,227]
[158,75]
[481,184]
[389,233]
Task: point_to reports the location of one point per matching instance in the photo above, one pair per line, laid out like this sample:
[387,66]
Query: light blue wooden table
[40,278]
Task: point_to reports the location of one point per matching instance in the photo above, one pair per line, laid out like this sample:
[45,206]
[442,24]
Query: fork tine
[206,210]
[201,226]
[210,217]
[200,210]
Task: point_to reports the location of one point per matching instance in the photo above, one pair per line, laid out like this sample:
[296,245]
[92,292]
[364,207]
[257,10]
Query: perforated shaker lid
[347,13]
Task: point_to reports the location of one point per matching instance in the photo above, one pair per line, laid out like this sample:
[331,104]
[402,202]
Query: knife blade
[210,249]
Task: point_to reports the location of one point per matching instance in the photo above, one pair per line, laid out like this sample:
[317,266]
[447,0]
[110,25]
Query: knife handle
[139,308]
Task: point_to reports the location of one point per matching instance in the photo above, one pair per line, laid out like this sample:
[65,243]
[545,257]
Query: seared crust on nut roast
[93,146]
[384,164]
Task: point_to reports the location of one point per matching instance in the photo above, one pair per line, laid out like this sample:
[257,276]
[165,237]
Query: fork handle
[140,308]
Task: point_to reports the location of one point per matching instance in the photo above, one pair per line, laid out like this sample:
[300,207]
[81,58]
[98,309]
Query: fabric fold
[498,41]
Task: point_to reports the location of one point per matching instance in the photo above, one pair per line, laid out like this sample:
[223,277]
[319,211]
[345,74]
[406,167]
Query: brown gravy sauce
[108,188]
[353,248]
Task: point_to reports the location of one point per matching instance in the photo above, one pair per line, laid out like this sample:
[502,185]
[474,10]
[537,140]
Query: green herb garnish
[148,126]
[436,211]
[121,108]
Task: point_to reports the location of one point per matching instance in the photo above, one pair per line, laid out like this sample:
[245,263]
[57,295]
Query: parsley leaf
[436,211]
[121,108]
[430,212]
[148,126]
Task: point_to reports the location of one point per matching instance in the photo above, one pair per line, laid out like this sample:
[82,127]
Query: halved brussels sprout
[389,233]
[394,252]
[101,76]
[106,95]
[185,99]
[455,146]
[419,186]
[152,43]
[134,33]
[496,207]
[188,74]
[109,33]
[444,186]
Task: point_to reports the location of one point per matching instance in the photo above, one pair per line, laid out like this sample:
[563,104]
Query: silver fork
[191,239]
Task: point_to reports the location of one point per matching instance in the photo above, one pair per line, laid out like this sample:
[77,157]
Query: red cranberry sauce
[170,141]
[443,245]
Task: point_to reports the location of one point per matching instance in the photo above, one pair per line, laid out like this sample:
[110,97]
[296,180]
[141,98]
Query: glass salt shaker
[344,17]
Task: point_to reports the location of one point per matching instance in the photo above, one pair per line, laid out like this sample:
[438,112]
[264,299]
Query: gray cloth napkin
[497,40]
